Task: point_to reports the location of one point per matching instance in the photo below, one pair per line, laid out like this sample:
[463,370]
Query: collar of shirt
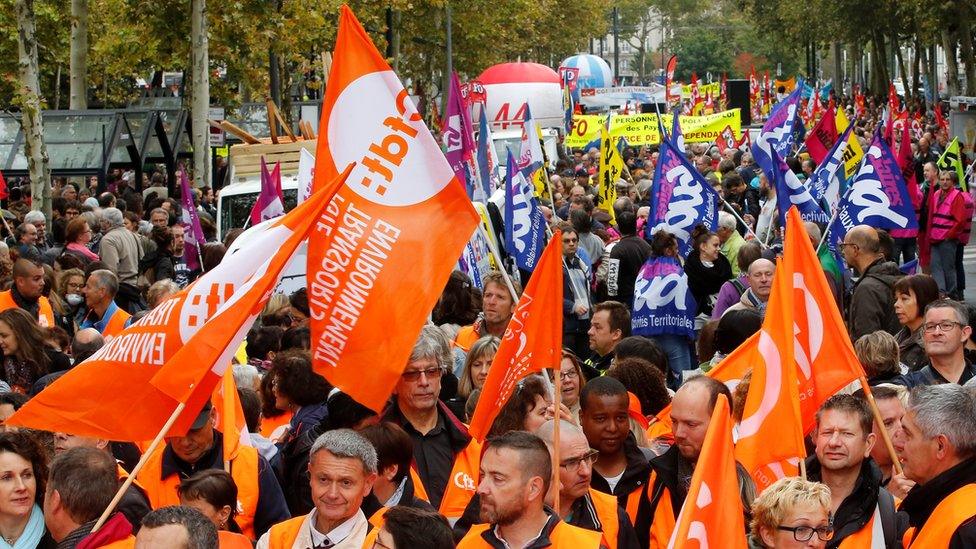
[540,541]
[99,324]
[397,494]
[337,534]
[968,372]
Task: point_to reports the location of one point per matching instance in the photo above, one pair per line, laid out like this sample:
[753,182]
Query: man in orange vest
[26,292]
[516,470]
[579,504]
[259,498]
[691,412]
[497,306]
[937,447]
[176,527]
[103,314]
[342,468]
[863,512]
[621,468]
[80,486]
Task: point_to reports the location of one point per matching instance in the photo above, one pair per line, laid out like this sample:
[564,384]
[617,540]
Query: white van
[238,196]
[512,139]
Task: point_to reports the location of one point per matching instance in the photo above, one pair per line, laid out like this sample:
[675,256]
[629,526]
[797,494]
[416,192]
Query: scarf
[78,248]
[32,534]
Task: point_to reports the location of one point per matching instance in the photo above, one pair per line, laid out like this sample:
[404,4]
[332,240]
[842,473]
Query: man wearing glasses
[872,305]
[446,456]
[944,332]
[579,504]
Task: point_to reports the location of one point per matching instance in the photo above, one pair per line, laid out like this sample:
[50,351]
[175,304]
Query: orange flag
[122,393]
[825,358]
[712,514]
[394,232]
[230,415]
[770,433]
[532,341]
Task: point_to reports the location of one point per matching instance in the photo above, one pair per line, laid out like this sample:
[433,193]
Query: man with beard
[182,275]
[516,471]
[497,309]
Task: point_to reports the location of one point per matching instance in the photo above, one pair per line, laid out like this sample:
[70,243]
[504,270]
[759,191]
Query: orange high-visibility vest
[284,534]
[116,324]
[606,510]
[563,535]
[231,540]
[466,337]
[243,469]
[664,521]
[462,484]
[377,521]
[418,487]
[866,537]
[947,517]
[274,428]
[125,543]
[45,314]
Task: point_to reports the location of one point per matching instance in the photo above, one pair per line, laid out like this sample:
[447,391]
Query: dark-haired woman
[213,493]
[27,355]
[23,472]
[707,271]
[298,389]
[912,295]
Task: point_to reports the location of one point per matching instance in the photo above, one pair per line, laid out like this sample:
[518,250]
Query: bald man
[756,296]
[27,292]
[872,303]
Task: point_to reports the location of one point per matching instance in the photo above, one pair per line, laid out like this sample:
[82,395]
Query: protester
[577,301]
[498,307]
[527,408]
[626,259]
[407,527]
[579,504]
[945,332]
[177,527]
[68,287]
[80,487]
[26,355]
[878,354]
[756,296]
[732,290]
[913,294]
[572,379]
[516,471]
[27,292]
[394,483]
[77,236]
[299,390]
[730,240]
[937,444]
[890,401]
[120,252]
[213,493]
[792,512]
[872,302]
[23,465]
[707,271]
[342,466]
[610,324]
[104,314]
[946,223]
[476,365]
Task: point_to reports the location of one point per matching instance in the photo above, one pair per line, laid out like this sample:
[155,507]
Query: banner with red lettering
[379,259]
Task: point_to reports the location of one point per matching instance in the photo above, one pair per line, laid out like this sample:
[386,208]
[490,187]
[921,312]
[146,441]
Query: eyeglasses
[944,326]
[588,458]
[569,374]
[843,245]
[414,375]
[805,533]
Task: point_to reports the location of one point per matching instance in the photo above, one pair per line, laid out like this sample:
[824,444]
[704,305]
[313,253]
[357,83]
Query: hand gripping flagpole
[138,468]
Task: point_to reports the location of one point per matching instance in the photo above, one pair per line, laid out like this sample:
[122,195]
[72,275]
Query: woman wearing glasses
[792,513]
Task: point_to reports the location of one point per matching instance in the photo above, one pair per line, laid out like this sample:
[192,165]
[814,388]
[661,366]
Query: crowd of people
[323,470]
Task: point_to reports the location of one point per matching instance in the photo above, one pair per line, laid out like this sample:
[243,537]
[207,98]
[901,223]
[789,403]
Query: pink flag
[193,238]
[457,134]
[270,203]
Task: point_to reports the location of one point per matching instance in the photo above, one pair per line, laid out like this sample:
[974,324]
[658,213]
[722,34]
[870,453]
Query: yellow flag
[611,167]
[854,153]
[950,160]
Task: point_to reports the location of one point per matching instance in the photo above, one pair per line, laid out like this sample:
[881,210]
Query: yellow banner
[611,169]
[853,153]
[641,129]
[714,88]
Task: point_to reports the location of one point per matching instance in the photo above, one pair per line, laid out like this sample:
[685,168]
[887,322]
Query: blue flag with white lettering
[524,223]
[484,158]
[677,138]
[828,181]
[779,133]
[790,191]
[682,198]
[662,302]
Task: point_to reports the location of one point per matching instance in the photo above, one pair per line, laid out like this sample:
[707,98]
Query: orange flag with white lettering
[532,340]
[378,264]
[712,514]
[770,441]
[825,358]
[177,352]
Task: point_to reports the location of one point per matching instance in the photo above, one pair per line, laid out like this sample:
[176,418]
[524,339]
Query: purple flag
[458,133]
[269,203]
[192,232]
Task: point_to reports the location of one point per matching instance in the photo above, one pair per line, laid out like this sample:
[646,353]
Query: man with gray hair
[103,313]
[120,251]
[342,468]
[731,240]
[37,219]
[945,331]
[441,443]
[937,445]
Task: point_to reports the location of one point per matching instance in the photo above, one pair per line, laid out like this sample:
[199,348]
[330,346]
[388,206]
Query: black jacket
[922,500]
[626,259]
[873,301]
[635,478]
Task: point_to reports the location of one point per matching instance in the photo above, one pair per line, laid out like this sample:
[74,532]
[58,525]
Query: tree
[78,77]
[30,104]
[200,102]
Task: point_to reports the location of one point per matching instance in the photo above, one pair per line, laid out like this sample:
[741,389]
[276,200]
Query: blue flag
[790,191]
[484,156]
[524,223]
[682,198]
[662,302]
[778,134]
[828,181]
[677,138]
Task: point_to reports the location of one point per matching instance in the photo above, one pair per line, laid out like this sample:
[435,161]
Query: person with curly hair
[298,389]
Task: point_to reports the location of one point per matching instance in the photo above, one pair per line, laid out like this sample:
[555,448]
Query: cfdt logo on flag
[569,76]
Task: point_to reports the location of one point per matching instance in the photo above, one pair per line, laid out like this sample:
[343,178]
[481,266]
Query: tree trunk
[837,69]
[966,48]
[57,88]
[916,66]
[200,99]
[78,100]
[902,68]
[30,97]
[952,69]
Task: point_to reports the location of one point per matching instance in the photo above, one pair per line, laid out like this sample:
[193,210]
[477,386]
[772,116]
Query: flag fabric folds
[823,136]
[270,203]
[682,198]
[192,232]
[778,134]
[662,302]
[230,415]
[457,133]
[532,340]
[487,162]
[532,159]
[394,230]
[611,169]
[712,514]
[951,160]
[525,225]
[828,181]
[790,191]
[192,336]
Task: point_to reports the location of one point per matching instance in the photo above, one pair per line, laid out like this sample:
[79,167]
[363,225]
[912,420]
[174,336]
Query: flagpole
[135,470]
[737,216]
[557,408]
[881,426]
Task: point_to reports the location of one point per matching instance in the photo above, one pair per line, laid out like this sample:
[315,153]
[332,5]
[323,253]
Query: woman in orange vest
[27,354]
[792,512]
[213,493]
